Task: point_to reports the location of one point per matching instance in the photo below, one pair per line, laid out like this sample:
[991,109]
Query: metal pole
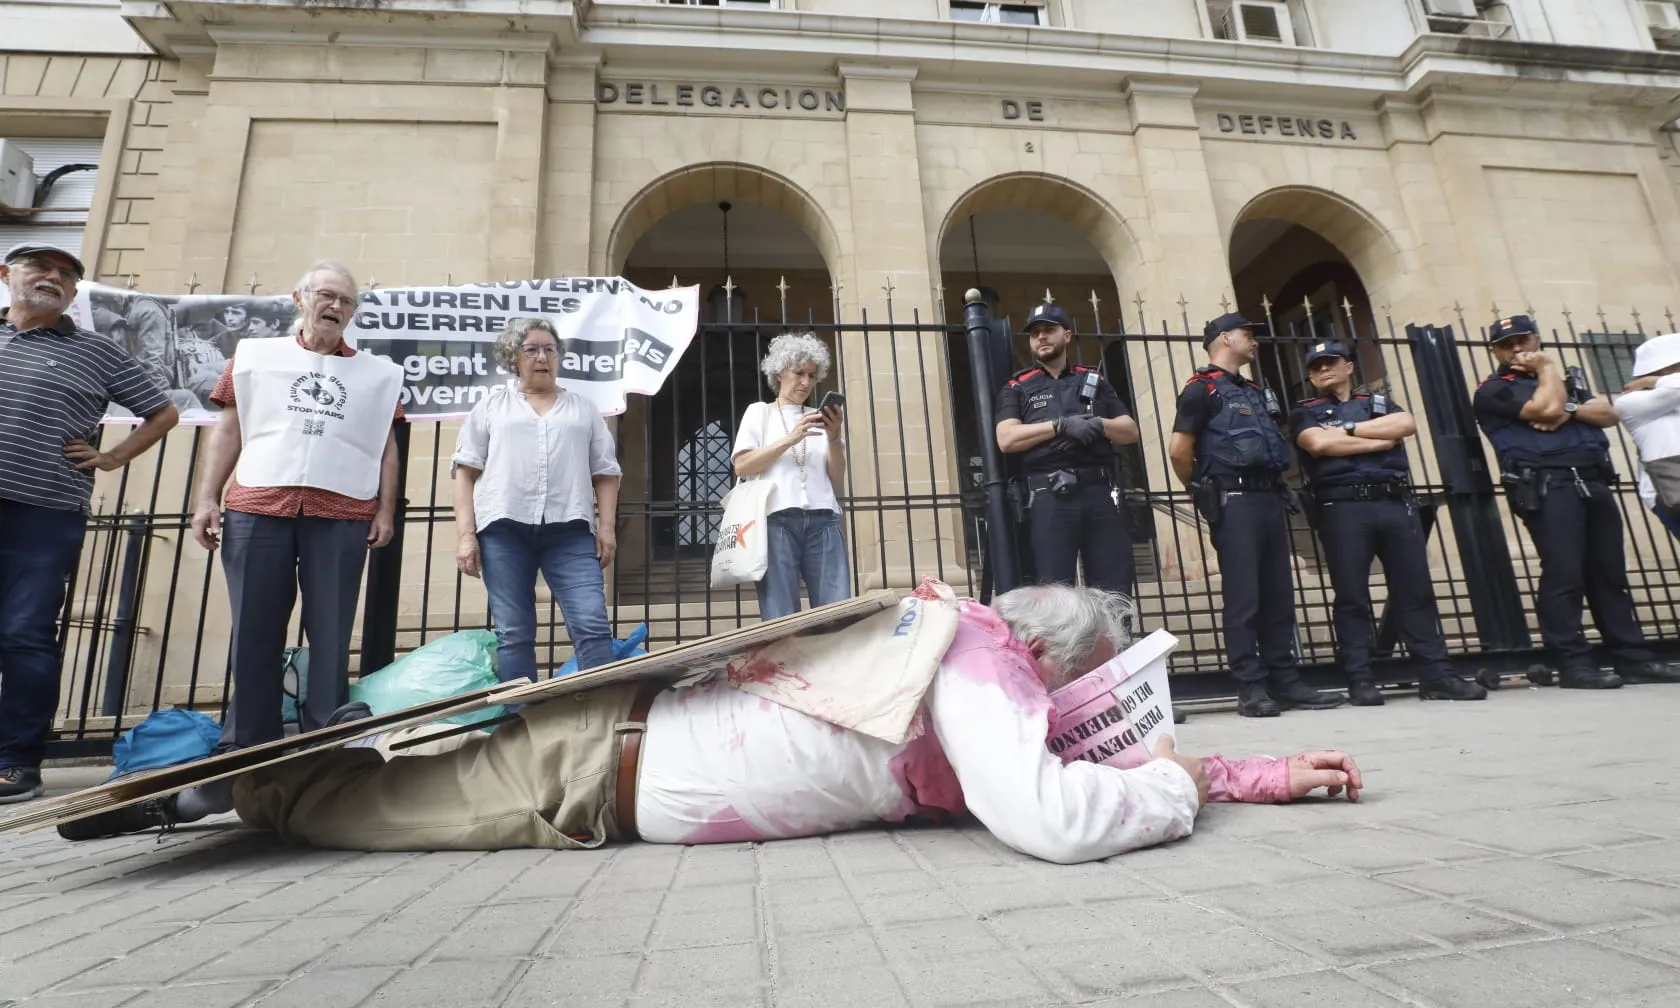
[999,524]
[1471,499]
[384,578]
[123,624]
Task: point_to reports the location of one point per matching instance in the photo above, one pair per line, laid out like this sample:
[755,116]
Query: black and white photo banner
[615,338]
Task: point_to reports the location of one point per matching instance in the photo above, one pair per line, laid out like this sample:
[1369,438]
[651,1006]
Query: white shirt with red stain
[719,765]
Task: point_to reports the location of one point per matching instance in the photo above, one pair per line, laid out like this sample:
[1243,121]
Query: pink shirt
[719,765]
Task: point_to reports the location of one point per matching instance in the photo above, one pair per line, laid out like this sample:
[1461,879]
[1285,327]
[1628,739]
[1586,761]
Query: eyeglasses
[43,266]
[330,299]
[534,350]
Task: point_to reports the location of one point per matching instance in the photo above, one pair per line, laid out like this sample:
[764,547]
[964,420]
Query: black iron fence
[145,625]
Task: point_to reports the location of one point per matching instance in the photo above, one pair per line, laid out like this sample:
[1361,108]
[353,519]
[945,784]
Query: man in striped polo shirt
[56,382]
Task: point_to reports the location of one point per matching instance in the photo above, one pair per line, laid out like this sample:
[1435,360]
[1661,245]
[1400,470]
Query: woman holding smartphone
[801,451]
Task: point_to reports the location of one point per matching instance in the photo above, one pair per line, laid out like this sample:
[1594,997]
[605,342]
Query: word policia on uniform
[615,338]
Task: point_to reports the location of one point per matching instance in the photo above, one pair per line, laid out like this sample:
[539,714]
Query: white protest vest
[309,419]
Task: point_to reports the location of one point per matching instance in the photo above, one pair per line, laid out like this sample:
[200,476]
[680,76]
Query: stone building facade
[1362,159]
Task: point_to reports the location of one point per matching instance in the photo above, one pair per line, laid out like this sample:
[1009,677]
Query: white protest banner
[615,338]
[1113,714]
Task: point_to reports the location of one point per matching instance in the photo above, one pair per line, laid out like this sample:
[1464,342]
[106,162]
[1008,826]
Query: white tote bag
[742,552]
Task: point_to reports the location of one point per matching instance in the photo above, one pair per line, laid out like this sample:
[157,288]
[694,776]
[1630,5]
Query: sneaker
[1451,688]
[1298,695]
[1179,717]
[1254,701]
[128,819]
[1648,672]
[1364,693]
[20,784]
[355,710]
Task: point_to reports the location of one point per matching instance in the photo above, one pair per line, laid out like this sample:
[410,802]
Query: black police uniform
[1074,515]
[1240,461]
[1558,483]
[1365,510]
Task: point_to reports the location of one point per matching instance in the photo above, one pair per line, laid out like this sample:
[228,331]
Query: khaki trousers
[546,779]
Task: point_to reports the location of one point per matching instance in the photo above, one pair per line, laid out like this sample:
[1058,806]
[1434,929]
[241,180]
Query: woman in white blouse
[801,452]
[536,489]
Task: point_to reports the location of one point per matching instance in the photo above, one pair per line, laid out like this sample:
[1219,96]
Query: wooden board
[697,657]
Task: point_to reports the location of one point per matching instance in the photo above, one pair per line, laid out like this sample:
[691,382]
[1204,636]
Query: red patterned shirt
[292,502]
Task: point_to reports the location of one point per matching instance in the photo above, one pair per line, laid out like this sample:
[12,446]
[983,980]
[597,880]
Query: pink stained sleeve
[1262,779]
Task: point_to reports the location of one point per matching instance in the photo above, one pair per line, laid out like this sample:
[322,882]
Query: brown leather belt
[630,757]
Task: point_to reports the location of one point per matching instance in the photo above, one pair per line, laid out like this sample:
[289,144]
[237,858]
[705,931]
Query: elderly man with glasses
[306,433]
[55,384]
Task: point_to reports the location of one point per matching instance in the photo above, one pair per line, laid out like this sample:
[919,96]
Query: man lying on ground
[718,764]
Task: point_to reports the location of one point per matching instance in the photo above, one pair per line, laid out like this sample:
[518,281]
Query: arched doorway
[754,244]
[1021,240]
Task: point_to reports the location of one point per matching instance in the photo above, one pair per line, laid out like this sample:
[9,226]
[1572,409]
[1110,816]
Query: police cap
[1509,328]
[1050,314]
[1329,348]
[1224,324]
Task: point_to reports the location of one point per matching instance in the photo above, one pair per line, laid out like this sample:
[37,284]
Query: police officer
[1064,420]
[1227,449]
[1353,457]
[1554,458]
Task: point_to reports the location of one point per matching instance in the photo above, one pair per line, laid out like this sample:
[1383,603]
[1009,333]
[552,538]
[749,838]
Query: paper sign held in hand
[1113,714]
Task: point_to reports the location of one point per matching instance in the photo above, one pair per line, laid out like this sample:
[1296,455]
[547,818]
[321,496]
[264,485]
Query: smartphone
[831,399]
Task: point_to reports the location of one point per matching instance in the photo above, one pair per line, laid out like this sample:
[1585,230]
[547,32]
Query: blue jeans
[511,554]
[808,545]
[38,549]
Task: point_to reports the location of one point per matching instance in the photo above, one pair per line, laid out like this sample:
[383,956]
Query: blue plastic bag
[629,647]
[294,684]
[166,738]
[459,663]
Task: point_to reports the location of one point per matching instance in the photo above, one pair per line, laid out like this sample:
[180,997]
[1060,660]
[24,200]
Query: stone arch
[1355,232]
[1061,198]
[714,181]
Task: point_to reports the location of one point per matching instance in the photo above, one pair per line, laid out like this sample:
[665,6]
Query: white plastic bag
[742,552]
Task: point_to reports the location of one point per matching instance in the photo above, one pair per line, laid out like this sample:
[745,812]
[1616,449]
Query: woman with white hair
[802,453]
[536,489]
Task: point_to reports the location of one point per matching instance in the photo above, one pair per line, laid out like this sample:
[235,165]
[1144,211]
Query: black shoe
[355,710]
[1254,701]
[1648,672]
[1451,688]
[1297,695]
[1179,717]
[128,819]
[1588,678]
[1363,693]
[1542,675]
[20,784]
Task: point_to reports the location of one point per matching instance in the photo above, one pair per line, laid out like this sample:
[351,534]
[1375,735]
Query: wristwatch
[1349,425]
[1570,407]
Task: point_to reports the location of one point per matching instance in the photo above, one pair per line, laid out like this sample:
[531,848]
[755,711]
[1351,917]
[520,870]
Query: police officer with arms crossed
[1353,457]
[1065,421]
[1554,459]
[1227,449]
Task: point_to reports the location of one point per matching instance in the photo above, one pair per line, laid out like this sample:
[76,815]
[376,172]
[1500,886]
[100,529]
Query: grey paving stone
[215,995]
[174,955]
[110,998]
[696,930]
[601,932]
[284,950]
[806,956]
[721,975]
[1374,849]
[814,916]
[876,987]
[453,984]
[969,980]
[1585,904]
[41,970]
[1116,965]
[396,940]
[910,945]
[1489,878]
[1530,831]
[1655,861]
[1313,990]
[1661,939]
[508,931]
[584,982]
[337,988]
[1456,925]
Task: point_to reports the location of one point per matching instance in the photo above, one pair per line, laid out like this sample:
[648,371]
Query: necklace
[801,451]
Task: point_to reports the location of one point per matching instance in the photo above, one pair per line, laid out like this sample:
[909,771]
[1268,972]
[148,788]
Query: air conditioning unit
[1663,18]
[1451,8]
[1259,21]
[17,177]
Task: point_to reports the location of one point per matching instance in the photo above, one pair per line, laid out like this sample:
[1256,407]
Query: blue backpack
[166,738]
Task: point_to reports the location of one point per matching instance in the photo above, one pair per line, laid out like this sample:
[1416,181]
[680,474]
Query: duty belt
[1087,474]
[1393,489]
[1595,473]
[1245,481]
